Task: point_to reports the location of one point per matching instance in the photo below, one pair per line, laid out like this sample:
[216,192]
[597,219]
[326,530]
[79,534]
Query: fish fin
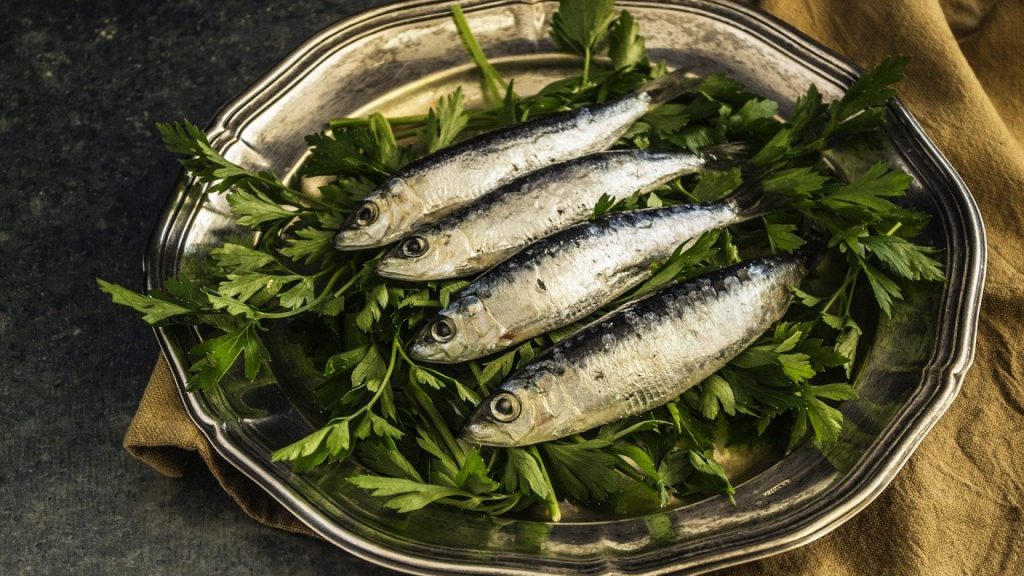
[725,156]
[672,85]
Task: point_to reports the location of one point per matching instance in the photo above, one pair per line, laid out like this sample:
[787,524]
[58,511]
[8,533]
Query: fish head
[431,253]
[464,330]
[382,217]
[525,410]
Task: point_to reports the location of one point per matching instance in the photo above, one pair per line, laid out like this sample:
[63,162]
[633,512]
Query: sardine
[434,186]
[566,276]
[502,222]
[638,357]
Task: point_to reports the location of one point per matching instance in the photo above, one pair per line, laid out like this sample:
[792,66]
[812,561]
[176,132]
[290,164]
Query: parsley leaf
[715,185]
[584,470]
[752,111]
[214,357]
[371,312]
[625,44]
[204,163]
[152,308]
[686,257]
[445,121]
[782,237]
[580,25]
[910,261]
[710,477]
[522,473]
[871,90]
[310,244]
[240,258]
[664,120]
[330,441]
[826,421]
[408,495]
[883,287]
[717,393]
[604,205]
[870,190]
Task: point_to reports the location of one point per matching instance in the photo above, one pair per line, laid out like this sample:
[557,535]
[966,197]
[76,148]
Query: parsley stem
[287,193]
[384,382]
[478,120]
[474,367]
[849,299]
[832,300]
[437,374]
[302,198]
[427,405]
[393,120]
[625,468]
[585,78]
[439,425]
[895,227]
[678,187]
[551,499]
[344,288]
[841,290]
[493,82]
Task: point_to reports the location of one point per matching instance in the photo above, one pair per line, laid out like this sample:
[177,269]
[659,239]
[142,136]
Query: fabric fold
[163,436]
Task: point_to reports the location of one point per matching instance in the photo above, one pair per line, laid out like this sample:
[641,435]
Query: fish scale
[642,355]
[640,394]
[582,268]
[430,188]
[502,222]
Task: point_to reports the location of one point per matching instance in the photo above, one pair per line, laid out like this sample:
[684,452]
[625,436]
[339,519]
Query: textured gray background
[82,177]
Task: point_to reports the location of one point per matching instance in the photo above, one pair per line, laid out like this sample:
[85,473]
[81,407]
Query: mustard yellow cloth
[958,506]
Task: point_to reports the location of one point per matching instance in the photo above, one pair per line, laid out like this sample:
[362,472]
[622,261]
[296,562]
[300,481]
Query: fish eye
[442,330]
[365,214]
[414,247]
[505,407]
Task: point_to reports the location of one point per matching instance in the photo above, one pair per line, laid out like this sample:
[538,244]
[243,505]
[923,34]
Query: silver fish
[437,184]
[638,357]
[566,276]
[502,222]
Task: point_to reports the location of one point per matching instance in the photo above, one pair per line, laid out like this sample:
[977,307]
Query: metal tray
[398,59]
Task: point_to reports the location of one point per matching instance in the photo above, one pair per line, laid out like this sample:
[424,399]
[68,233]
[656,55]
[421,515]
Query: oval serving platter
[400,58]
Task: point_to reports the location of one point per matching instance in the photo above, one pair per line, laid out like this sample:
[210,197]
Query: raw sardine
[437,184]
[638,357]
[502,222]
[566,276]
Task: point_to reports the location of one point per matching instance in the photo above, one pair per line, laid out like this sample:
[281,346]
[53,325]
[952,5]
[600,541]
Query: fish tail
[725,156]
[751,201]
[813,251]
[672,85]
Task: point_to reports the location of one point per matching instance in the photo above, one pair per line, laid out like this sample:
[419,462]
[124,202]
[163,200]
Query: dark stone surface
[82,178]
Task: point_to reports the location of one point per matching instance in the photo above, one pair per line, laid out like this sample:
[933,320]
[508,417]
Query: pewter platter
[398,59]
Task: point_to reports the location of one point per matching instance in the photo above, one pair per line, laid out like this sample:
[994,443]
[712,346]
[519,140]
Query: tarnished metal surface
[399,59]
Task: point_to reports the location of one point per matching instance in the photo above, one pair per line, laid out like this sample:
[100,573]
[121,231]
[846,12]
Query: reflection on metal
[400,58]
